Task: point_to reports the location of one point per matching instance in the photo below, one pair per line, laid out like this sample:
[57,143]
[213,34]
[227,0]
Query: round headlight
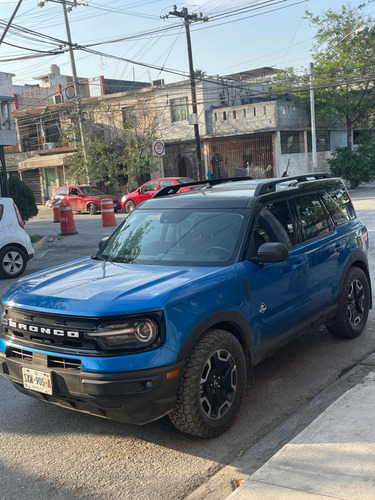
[145,331]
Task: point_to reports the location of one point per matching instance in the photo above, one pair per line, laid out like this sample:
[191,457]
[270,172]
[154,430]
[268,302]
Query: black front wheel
[212,387]
[353,306]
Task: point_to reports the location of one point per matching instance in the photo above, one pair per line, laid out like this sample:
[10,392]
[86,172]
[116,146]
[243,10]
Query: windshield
[185,237]
[90,190]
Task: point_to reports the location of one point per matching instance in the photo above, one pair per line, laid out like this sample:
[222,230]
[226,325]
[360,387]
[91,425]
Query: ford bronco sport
[188,294]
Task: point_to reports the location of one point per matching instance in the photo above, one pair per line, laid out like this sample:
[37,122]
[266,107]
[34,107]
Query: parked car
[148,189]
[189,293]
[84,198]
[15,245]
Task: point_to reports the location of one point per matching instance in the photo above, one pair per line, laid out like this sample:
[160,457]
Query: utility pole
[76,89]
[188,19]
[75,78]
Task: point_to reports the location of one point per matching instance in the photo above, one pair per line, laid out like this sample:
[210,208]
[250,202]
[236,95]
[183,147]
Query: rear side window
[338,204]
[312,216]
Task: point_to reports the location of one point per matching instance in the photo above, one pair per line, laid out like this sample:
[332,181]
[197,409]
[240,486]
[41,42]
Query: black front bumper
[135,397]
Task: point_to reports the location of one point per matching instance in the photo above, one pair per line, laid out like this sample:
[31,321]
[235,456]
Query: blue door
[278,292]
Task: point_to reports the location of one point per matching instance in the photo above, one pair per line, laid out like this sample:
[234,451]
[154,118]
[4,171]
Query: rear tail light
[20,221]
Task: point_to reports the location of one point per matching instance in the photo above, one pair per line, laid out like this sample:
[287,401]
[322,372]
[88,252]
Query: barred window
[291,142]
[179,109]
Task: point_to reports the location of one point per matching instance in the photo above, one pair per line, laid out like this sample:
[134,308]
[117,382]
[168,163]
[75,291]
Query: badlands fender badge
[263,308]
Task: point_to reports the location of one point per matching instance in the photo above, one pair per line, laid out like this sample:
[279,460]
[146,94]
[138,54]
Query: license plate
[37,381]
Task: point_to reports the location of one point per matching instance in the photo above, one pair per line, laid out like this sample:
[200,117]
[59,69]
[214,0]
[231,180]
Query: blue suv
[188,294]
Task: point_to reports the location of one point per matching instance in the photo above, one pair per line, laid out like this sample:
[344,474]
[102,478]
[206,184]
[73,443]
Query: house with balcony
[42,112]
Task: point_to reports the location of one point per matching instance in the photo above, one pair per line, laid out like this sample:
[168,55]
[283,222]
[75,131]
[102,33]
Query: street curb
[223,484]
[39,244]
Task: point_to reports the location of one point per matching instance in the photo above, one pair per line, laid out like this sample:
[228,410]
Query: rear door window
[312,216]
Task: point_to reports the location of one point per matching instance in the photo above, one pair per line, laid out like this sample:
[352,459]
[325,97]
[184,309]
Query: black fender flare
[357,259]
[230,321]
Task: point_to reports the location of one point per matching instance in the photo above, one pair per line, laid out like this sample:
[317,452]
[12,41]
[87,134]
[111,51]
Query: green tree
[104,158]
[355,165]
[344,80]
[115,152]
[23,197]
[199,73]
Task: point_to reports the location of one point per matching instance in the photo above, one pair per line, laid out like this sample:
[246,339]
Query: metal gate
[241,156]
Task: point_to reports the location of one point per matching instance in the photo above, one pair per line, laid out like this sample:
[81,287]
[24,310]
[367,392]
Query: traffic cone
[108,213]
[56,210]
[67,224]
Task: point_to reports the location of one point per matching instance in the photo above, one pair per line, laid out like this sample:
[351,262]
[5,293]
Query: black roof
[235,192]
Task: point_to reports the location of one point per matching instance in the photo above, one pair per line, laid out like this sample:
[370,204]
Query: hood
[94,288]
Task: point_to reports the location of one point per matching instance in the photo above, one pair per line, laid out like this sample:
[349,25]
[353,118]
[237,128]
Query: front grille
[47,331]
[62,334]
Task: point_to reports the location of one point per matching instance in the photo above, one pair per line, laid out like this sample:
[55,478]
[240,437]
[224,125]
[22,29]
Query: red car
[148,189]
[84,198]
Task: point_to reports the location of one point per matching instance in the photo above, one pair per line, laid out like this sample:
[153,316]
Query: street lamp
[312,97]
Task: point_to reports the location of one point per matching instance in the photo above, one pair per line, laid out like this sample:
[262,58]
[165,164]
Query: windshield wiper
[98,257]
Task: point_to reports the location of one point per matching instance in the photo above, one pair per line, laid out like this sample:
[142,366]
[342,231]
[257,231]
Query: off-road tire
[13,262]
[216,355]
[92,209]
[129,206]
[353,306]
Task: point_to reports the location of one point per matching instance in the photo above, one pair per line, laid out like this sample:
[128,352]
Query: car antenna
[285,174]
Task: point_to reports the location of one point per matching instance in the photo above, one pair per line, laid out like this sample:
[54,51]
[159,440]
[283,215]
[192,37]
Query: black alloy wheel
[353,305]
[212,386]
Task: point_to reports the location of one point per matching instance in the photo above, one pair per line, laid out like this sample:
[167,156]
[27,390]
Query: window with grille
[179,109]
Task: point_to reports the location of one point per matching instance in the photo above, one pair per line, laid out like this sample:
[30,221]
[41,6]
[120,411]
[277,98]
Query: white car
[15,244]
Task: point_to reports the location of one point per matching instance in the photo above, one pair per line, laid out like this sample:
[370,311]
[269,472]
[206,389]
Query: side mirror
[139,191]
[271,252]
[102,242]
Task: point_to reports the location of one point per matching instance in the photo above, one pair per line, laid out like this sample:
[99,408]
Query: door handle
[298,265]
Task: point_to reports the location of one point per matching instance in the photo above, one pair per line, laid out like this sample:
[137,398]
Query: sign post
[158,149]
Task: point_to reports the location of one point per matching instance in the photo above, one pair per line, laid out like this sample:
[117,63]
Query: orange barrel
[67,224]
[108,213]
[56,210]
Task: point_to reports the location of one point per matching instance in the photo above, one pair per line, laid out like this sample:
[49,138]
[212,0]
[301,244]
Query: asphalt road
[51,452]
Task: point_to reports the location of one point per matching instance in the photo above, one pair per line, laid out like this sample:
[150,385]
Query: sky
[239,36]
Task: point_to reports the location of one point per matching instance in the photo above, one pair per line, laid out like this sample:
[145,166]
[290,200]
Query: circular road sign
[158,148]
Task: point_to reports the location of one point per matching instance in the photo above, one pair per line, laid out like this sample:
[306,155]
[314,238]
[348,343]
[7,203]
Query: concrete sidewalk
[334,457]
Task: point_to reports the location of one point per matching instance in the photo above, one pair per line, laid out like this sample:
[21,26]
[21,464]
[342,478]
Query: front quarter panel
[222,303]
